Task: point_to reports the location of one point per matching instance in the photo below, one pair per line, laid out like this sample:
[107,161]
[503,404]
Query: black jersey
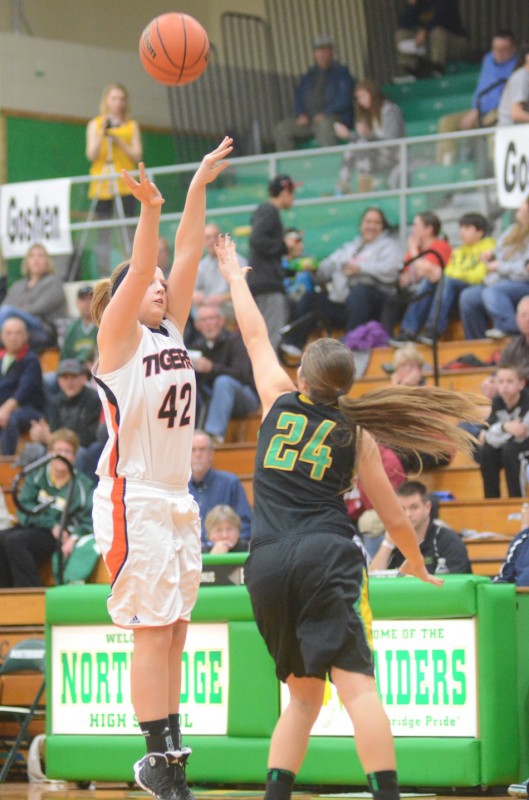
[303,466]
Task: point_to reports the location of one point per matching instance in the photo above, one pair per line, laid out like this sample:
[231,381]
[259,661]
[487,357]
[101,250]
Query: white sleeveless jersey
[149,406]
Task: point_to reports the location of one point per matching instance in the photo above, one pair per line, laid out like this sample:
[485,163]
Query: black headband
[119,280]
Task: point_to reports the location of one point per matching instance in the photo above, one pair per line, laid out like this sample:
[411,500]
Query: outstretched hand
[212,164]
[420,572]
[143,190]
[227,256]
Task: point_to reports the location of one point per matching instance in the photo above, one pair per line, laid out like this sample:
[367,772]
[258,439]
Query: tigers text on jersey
[149,406]
[303,466]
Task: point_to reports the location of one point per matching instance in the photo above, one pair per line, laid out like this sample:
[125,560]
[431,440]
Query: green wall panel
[401,598]
[254,691]
[498,709]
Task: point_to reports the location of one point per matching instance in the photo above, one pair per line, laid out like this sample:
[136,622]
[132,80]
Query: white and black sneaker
[519,789]
[155,774]
[177,761]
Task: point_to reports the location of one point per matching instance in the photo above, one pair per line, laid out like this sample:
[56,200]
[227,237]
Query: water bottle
[441,568]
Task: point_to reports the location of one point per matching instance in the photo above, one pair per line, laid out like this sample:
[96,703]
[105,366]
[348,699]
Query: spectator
[421,272]
[223,532]
[515,568]
[37,298]
[24,547]
[507,435]
[21,389]
[164,258]
[496,68]
[408,367]
[323,96]
[361,277]
[516,351]
[75,406]
[506,282]
[225,382]
[113,143]
[435,540]
[376,119]
[80,339]
[267,248]
[514,102]
[465,267]
[211,487]
[430,33]
[210,287]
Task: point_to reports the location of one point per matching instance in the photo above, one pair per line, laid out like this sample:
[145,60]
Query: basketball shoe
[155,774]
[519,789]
[177,760]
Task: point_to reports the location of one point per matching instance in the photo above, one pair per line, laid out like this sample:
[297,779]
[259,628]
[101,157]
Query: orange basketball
[174,49]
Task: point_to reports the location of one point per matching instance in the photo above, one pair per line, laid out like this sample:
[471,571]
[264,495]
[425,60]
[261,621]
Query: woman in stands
[506,282]
[376,119]
[38,298]
[146,522]
[113,143]
[305,574]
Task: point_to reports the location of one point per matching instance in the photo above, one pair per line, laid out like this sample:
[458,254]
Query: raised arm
[189,239]
[120,331]
[270,378]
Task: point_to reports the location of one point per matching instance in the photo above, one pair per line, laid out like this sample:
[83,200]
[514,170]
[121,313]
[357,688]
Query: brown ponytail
[421,419]
[103,293]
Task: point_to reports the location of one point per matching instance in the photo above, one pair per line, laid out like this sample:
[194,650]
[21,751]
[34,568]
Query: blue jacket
[515,568]
[23,380]
[491,72]
[339,86]
[222,488]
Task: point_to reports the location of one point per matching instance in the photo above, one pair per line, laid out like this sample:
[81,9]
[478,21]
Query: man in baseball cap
[323,96]
[282,183]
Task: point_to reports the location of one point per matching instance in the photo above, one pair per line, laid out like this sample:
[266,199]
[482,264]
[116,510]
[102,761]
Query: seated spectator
[515,568]
[323,96]
[507,435]
[360,278]
[21,388]
[505,283]
[514,102]
[211,487]
[421,272]
[299,269]
[223,532]
[80,339]
[164,258]
[516,351]
[376,119]
[38,298]
[224,374]
[408,367]
[75,406]
[465,267]
[30,543]
[496,67]
[430,33]
[435,540]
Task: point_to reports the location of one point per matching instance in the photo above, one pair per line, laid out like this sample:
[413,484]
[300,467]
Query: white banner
[90,691]
[35,212]
[426,677]
[511,162]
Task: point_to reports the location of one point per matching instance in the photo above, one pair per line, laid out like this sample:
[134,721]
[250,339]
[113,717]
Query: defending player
[305,574]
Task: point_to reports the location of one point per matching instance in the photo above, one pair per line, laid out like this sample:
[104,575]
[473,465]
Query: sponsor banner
[511,161]
[91,680]
[426,677]
[35,212]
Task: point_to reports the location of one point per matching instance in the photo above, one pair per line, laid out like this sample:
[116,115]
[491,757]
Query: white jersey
[149,406]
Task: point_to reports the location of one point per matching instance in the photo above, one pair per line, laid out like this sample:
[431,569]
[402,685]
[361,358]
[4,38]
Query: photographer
[113,143]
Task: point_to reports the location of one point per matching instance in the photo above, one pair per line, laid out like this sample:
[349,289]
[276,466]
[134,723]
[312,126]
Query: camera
[109,124]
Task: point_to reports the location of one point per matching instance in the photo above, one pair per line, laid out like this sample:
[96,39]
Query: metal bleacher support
[329,219]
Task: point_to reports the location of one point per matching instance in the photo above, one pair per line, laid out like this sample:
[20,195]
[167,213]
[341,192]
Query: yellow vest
[104,190]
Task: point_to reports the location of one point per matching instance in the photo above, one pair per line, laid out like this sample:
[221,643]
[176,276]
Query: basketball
[174,49]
